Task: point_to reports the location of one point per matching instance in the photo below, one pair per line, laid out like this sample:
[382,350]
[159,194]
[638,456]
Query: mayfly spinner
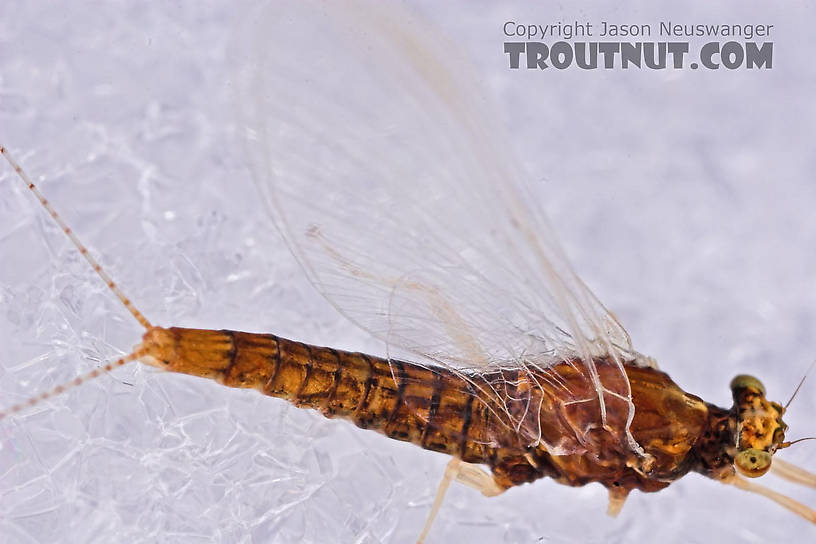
[511,365]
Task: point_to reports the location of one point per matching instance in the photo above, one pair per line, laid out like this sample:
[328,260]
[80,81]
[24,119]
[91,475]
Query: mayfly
[405,214]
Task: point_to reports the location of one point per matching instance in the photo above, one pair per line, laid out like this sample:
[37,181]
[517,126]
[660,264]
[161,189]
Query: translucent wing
[385,174]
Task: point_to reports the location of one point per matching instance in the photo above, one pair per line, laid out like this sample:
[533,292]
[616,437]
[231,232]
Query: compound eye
[744,381]
[753,462]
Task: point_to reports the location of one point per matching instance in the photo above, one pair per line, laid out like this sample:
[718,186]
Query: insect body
[405,215]
[441,411]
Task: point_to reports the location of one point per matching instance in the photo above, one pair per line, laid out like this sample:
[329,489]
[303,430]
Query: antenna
[75,240]
[789,444]
[798,387]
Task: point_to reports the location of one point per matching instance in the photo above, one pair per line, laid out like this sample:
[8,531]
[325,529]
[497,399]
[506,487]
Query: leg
[793,473]
[468,474]
[783,500]
[450,473]
[475,477]
[617,496]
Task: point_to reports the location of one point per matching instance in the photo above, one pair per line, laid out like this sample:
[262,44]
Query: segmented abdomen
[462,415]
[433,408]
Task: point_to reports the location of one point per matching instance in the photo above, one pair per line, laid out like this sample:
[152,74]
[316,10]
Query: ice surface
[685,199]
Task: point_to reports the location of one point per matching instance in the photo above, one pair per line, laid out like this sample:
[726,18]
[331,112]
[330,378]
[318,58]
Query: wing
[385,173]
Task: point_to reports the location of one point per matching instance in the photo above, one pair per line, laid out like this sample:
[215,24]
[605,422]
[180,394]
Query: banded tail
[83,250]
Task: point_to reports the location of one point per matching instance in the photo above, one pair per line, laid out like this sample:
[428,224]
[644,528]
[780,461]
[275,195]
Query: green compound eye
[753,462]
[744,381]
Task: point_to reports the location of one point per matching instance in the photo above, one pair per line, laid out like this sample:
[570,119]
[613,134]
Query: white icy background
[685,199]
